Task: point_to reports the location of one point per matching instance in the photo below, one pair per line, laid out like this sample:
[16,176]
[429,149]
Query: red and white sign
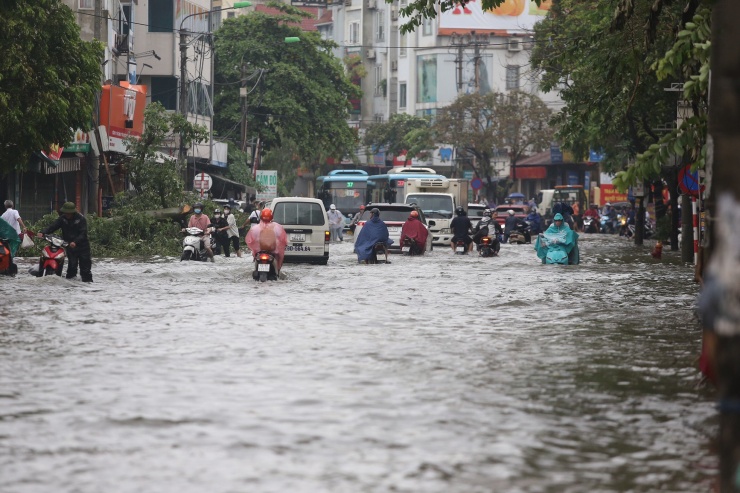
[202,182]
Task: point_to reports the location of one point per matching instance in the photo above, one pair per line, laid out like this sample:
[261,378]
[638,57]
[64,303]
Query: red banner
[611,194]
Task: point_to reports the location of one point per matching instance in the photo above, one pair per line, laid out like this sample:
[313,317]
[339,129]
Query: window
[380,25]
[161,16]
[164,90]
[230,15]
[379,81]
[402,48]
[298,213]
[427,27]
[125,20]
[402,95]
[87,4]
[354,33]
[512,77]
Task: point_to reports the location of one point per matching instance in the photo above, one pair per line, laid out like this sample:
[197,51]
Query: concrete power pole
[182,157]
[723,175]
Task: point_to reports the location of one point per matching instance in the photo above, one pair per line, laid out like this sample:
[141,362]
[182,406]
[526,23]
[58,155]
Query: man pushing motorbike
[74,232]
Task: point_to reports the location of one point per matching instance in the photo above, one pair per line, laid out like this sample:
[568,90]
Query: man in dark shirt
[461,227]
[74,232]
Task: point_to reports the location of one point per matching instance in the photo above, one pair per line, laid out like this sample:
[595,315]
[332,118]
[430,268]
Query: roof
[326,18]
[306,24]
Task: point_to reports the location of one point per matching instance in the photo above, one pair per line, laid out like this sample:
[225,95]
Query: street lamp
[184,60]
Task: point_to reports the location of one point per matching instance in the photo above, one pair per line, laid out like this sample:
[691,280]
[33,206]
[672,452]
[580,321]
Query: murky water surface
[436,374]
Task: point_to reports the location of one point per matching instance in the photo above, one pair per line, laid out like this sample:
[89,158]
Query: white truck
[438,197]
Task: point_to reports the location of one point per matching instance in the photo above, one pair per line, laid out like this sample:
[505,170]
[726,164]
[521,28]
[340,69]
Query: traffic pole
[695,220]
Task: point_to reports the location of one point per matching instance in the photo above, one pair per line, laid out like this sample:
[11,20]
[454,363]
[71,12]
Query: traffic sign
[688,182]
[202,182]
[476,184]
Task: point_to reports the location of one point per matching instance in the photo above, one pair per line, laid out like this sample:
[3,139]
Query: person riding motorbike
[356,219]
[560,238]
[415,231]
[510,224]
[611,213]
[202,222]
[535,221]
[461,227]
[374,231]
[268,236]
[488,226]
[593,213]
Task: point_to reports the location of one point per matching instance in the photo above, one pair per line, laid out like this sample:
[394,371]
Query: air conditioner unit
[394,65]
[371,4]
[347,3]
[370,54]
[514,45]
[394,13]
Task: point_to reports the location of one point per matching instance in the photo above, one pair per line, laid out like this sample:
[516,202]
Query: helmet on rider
[266,215]
[510,212]
[486,212]
[414,214]
[460,211]
[362,207]
[375,212]
[198,207]
[217,211]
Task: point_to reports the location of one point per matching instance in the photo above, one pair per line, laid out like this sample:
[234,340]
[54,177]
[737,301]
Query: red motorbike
[52,257]
[7,266]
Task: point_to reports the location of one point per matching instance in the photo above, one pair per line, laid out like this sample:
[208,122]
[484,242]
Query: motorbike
[7,266]
[52,257]
[460,248]
[411,247]
[555,252]
[192,245]
[589,225]
[521,234]
[606,225]
[265,267]
[648,232]
[485,247]
[379,248]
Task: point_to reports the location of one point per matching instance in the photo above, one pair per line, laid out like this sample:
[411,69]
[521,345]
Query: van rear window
[299,213]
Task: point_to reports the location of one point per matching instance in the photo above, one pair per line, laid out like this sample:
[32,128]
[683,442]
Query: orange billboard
[610,194]
[122,113]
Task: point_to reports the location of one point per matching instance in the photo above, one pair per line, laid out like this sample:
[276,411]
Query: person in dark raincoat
[374,231]
[74,231]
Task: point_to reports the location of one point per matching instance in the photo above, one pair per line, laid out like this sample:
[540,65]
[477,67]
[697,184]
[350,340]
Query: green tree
[398,135]
[418,10]
[300,91]
[48,79]
[155,176]
[483,126]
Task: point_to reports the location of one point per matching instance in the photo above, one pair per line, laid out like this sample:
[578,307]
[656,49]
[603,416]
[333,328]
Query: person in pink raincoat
[268,236]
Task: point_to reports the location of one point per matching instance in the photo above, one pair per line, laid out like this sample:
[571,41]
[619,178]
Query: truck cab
[438,197]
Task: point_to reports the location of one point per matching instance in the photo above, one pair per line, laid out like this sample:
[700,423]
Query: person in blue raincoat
[374,231]
[559,244]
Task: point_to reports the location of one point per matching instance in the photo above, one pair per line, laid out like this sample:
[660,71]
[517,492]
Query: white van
[307,226]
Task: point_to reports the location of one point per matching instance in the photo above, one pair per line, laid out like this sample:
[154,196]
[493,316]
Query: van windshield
[299,213]
[434,206]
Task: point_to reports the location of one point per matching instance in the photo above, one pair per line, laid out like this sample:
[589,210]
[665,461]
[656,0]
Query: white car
[475,213]
[394,215]
[307,225]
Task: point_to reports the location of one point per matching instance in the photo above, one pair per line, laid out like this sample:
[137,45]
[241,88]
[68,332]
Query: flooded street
[440,373]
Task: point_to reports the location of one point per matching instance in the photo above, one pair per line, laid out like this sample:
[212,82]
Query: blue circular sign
[476,184]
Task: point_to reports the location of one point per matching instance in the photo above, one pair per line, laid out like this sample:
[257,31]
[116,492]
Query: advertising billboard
[122,113]
[511,17]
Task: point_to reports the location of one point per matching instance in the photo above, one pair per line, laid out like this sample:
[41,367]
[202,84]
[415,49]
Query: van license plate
[263,267]
[394,230]
[297,237]
[460,249]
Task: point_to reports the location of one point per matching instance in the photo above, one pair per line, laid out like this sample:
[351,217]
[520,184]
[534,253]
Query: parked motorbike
[590,225]
[485,247]
[193,247]
[7,266]
[411,247]
[521,234]
[379,248]
[460,248]
[265,267]
[52,257]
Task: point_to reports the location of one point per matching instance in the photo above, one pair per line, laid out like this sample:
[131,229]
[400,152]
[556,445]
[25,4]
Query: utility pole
[724,176]
[182,157]
[459,42]
[243,94]
[478,41]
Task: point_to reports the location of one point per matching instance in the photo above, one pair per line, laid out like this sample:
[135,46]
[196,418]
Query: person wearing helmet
[416,233]
[373,232]
[511,224]
[488,226]
[218,228]
[268,236]
[356,219]
[461,227]
[201,221]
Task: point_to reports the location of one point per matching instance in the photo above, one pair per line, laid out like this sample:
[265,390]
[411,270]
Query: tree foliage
[157,178]
[300,91]
[48,79]
[485,126]
[399,134]
[418,10]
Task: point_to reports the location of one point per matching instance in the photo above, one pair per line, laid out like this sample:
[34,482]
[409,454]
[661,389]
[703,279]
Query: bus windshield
[347,200]
[434,206]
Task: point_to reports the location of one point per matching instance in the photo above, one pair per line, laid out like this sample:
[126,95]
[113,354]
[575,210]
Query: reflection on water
[436,374]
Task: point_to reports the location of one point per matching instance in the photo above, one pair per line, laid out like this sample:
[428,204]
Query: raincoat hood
[558,217]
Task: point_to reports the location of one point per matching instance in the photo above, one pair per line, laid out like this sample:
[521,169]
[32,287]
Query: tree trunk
[724,176]
[672,179]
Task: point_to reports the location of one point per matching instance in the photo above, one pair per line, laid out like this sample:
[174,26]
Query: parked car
[502,212]
[307,225]
[394,215]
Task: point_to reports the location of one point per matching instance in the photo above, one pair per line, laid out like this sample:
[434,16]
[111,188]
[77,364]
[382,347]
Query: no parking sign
[688,182]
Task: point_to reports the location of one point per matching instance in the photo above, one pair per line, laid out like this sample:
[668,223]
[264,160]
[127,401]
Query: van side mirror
[431,223]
